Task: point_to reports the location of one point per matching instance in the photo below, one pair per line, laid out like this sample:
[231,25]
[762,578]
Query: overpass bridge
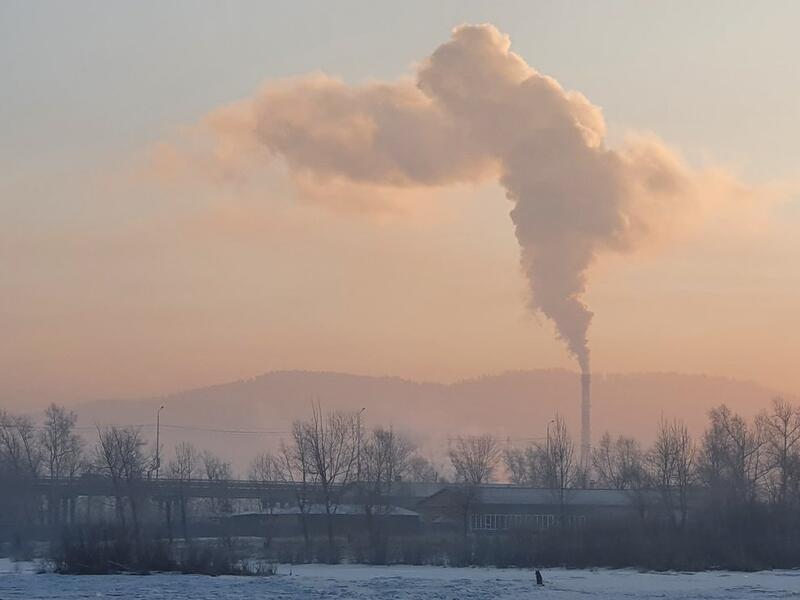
[406,494]
[44,503]
[158,489]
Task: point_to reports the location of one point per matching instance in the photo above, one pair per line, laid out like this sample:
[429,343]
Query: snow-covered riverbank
[402,582]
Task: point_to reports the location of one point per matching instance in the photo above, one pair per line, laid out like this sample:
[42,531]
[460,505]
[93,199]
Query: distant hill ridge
[515,405]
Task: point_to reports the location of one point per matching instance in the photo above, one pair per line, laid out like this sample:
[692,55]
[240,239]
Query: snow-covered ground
[383,583]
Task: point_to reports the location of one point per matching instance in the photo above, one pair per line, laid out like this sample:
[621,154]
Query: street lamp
[548,434]
[158,439]
[358,449]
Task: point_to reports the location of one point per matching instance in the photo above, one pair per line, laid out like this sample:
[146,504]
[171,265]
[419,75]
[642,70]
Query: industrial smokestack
[586,426]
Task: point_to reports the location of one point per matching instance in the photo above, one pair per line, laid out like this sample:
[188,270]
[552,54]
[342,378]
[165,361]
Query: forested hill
[251,415]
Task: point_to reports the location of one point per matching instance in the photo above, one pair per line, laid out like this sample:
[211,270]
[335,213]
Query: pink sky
[117,281]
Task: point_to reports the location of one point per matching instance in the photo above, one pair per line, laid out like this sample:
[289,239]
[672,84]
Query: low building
[492,508]
[347,519]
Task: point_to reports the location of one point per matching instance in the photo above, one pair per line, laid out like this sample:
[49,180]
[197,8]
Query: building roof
[517,495]
[524,495]
[402,489]
[319,509]
[416,489]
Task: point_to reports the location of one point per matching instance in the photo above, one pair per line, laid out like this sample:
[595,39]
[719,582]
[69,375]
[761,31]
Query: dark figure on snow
[539,580]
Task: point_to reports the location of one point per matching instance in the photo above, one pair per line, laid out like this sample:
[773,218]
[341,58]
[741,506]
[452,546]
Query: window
[502,522]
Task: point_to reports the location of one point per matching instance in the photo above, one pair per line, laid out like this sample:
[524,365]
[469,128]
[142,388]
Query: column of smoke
[477,111]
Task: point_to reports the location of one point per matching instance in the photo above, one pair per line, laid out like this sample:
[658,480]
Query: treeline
[736,462]
[319,460]
[728,498]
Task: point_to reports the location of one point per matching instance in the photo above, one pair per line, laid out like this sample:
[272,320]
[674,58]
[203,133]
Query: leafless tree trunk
[782,434]
[385,458]
[684,467]
[21,445]
[62,446]
[560,466]
[527,466]
[266,469]
[617,463]
[22,458]
[62,449]
[671,463]
[295,469]
[119,454]
[551,464]
[734,460]
[330,444]
[516,466]
[474,460]
[184,467]
[216,469]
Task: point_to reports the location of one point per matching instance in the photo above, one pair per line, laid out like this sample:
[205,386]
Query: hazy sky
[114,282]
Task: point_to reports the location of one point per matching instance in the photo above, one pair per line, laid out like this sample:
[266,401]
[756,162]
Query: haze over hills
[239,419]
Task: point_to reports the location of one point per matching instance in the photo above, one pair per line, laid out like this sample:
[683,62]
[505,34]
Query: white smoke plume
[474,111]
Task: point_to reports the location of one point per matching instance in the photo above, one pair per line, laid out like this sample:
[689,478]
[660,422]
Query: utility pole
[158,440]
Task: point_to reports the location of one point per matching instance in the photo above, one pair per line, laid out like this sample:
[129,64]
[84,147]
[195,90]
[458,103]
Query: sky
[116,280]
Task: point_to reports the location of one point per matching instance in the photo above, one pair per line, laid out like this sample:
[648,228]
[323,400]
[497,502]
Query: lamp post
[549,459]
[358,449]
[158,439]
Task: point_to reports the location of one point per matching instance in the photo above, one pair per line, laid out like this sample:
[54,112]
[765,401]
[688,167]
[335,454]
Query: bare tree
[527,466]
[21,459]
[782,436]
[685,457]
[295,468]
[385,459]
[516,465]
[62,451]
[214,468]
[474,458]
[713,457]
[561,470]
[733,461]
[618,464]
[183,467]
[328,443]
[265,468]
[61,445]
[671,463]
[186,464]
[120,454]
[20,445]
[421,469]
